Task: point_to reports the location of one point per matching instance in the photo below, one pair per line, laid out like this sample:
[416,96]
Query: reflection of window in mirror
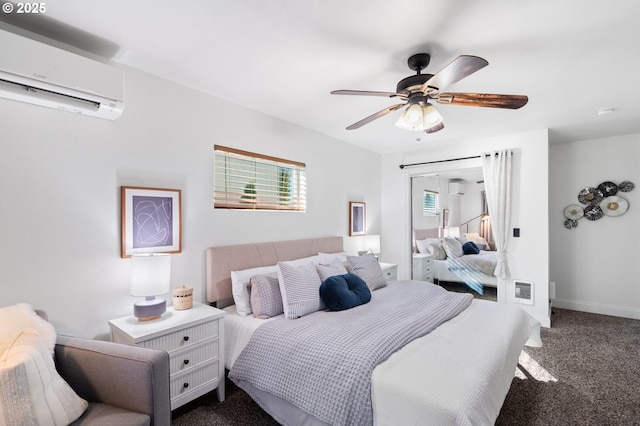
[431,203]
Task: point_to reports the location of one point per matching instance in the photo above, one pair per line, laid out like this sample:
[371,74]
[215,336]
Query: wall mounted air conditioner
[40,74]
[456,188]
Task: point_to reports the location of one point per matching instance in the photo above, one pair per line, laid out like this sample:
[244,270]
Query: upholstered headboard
[421,234]
[222,260]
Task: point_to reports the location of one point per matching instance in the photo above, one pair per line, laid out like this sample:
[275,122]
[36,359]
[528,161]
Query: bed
[472,269]
[457,373]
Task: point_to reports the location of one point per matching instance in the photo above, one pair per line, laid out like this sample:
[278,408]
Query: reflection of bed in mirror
[468,268]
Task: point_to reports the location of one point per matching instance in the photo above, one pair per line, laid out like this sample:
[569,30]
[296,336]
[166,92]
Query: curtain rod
[402,166]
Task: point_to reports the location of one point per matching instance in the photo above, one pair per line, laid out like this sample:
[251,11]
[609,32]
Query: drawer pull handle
[186,361]
[186,338]
[186,385]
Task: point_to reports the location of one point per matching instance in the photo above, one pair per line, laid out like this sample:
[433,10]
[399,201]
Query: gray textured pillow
[367,268]
[326,271]
[266,301]
[453,247]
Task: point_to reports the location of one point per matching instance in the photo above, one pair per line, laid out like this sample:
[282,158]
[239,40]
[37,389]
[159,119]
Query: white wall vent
[523,292]
[44,75]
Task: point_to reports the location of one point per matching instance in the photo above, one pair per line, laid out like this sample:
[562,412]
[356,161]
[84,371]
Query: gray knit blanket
[322,363]
[472,264]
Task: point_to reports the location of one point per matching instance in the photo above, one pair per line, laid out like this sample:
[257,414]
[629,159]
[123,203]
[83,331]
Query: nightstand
[390,271]
[194,339]
[423,267]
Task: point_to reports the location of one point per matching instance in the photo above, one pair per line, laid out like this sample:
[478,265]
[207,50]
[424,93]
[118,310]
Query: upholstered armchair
[124,385]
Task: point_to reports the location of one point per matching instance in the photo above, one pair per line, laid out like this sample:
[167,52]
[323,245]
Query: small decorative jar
[182,298]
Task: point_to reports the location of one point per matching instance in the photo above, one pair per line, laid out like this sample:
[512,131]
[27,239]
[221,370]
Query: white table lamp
[372,244]
[150,277]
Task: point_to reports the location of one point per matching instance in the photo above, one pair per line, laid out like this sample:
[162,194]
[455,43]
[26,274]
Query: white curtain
[496,168]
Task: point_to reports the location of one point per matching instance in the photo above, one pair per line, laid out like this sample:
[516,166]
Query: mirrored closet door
[452,242]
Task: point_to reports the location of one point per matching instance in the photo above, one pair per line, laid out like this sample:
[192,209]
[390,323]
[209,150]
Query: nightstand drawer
[390,271]
[193,357]
[391,275]
[187,383]
[184,338]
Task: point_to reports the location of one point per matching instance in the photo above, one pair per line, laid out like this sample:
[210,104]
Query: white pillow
[326,271]
[300,289]
[315,259]
[453,247]
[424,246]
[327,258]
[32,390]
[241,286]
[368,268]
[15,318]
[471,235]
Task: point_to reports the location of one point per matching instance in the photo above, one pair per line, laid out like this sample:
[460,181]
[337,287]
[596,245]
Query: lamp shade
[150,274]
[372,242]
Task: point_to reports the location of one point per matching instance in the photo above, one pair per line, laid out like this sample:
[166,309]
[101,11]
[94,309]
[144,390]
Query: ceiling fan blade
[483,100]
[375,116]
[367,93]
[458,69]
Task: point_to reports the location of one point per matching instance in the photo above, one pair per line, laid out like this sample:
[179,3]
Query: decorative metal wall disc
[614,206]
[570,223]
[573,212]
[593,212]
[608,188]
[626,186]
[590,196]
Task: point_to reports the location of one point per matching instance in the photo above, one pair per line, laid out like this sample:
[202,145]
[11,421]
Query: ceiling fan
[417,90]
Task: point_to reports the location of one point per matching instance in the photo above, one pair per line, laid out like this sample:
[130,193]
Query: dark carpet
[587,373]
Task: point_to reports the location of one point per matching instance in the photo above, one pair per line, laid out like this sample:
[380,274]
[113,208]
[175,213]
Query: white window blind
[246,180]
[431,203]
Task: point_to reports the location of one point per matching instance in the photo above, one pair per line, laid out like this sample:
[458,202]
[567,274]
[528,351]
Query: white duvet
[459,374]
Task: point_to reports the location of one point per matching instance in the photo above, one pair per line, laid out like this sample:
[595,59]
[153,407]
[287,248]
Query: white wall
[420,184]
[595,266]
[528,255]
[61,174]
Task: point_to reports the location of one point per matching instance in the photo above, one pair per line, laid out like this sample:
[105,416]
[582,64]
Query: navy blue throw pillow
[470,248]
[341,292]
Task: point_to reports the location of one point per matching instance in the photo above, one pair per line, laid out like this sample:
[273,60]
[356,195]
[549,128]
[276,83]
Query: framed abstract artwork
[151,220]
[445,218]
[357,213]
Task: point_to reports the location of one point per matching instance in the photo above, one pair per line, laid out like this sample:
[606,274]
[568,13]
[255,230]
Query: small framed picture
[445,218]
[357,212]
[151,220]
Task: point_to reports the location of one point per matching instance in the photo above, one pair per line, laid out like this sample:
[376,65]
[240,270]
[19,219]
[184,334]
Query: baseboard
[597,308]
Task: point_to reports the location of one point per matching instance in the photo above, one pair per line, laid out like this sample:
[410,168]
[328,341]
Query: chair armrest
[129,377]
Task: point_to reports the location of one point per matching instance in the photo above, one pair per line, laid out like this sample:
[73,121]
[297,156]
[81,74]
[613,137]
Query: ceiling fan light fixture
[419,116]
[431,116]
[414,115]
[411,118]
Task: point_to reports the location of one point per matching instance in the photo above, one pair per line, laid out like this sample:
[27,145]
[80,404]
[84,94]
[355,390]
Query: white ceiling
[283,57]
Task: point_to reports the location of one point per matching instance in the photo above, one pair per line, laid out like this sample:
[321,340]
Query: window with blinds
[431,203]
[246,180]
